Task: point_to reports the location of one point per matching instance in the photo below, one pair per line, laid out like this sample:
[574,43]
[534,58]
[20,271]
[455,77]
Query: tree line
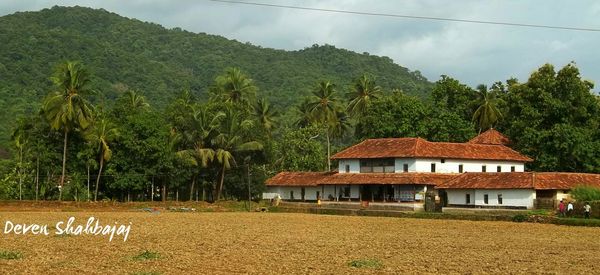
[224,147]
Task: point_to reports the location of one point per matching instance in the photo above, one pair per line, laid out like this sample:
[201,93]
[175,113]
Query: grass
[10,255]
[366,263]
[146,255]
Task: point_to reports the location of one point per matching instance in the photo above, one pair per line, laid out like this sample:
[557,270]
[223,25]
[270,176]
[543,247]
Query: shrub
[519,218]
[366,263]
[10,255]
[585,193]
[147,255]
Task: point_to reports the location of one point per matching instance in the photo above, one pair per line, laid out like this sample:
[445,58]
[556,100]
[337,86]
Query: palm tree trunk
[88,181]
[192,188]
[37,178]
[64,165]
[99,173]
[220,187]
[20,172]
[328,152]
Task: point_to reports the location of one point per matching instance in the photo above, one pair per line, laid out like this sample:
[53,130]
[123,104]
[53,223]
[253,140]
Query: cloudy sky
[473,53]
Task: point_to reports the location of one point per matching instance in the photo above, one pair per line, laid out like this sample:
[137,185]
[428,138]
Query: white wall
[354,165]
[510,197]
[285,192]
[399,165]
[458,196]
[311,191]
[451,165]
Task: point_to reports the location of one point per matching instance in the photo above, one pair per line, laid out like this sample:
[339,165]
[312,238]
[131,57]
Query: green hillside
[126,53]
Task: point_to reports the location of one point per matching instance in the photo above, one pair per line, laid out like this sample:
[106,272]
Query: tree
[100,135]
[232,138]
[136,101]
[323,104]
[488,113]
[66,107]
[365,91]
[265,115]
[399,115]
[234,87]
[21,140]
[451,95]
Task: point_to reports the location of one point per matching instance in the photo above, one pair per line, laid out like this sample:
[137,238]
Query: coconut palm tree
[100,135]
[365,91]
[232,139]
[304,113]
[487,114]
[20,138]
[234,87]
[323,104]
[265,115]
[136,101]
[66,108]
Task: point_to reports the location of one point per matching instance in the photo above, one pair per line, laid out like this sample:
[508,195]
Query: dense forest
[92,132]
[125,54]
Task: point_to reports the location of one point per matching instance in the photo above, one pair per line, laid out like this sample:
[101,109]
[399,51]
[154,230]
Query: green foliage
[299,150]
[519,218]
[366,263]
[126,54]
[10,255]
[400,115]
[554,118]
[584,193]
[147,255]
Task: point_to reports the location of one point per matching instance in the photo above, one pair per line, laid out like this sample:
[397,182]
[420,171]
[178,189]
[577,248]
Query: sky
[473,53]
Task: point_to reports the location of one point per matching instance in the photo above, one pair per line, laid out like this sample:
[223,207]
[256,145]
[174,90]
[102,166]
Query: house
[483,172]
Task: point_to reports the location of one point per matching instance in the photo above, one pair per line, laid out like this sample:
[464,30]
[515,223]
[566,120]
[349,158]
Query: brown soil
[282,243]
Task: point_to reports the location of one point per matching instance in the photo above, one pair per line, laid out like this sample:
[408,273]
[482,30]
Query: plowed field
[282,243]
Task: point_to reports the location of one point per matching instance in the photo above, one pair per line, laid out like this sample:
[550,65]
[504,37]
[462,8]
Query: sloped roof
[418,147]
[490,136]
[316,178]
[521,180]
[297,178]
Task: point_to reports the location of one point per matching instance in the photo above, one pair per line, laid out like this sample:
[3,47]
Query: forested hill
[124,53]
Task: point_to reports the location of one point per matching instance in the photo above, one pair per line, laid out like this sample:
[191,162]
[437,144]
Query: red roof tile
[521,180]
[420,148]
[316,178]
[490,136]
[297,178]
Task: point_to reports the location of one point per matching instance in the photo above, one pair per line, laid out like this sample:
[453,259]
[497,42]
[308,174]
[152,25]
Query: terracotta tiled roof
[297,178]
[521,180]
[491,136]
[554,180]
[517,180]
[387,178]
[418,147]
[318,178]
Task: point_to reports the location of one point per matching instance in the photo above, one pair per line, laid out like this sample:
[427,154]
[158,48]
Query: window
[468,199]
[460,168]
[485,199]
[499,168]
[483,168]
[347,191]
[443,161]
[405,167]
[377,165]
[499,198]
[512,168]
[291,195]
[433,167]
[302,192]
[318,195]
[347,168]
